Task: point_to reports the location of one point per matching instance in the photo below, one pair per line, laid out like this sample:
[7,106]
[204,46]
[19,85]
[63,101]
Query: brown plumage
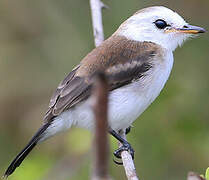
[122,59]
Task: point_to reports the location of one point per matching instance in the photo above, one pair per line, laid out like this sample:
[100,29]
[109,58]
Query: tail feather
[21,156]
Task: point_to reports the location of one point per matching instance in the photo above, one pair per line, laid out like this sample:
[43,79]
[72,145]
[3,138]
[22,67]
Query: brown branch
[96,7]
[101,146]
[99,97]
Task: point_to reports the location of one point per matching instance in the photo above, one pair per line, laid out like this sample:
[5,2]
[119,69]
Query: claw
[117,153]
[125,147]
[118,163]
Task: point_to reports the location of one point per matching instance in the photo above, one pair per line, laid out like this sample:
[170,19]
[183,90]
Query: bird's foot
[125,147]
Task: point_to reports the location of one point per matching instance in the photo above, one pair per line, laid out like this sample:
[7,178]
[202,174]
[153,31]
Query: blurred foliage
[41,41]
[207,174]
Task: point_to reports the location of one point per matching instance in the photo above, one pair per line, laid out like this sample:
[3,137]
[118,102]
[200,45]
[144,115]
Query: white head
[160,25]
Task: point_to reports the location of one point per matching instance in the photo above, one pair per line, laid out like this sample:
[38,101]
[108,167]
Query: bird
[137,60]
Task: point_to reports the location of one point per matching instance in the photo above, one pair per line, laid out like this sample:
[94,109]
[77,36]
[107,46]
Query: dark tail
[21,156]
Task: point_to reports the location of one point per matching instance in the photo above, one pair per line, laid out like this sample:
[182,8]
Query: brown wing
[123,61]
[70,91]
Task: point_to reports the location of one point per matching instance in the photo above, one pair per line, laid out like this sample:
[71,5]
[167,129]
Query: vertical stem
[96,14]
[100,109]
[101,146]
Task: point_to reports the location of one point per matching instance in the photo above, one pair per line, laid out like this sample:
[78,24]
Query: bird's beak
[188,29]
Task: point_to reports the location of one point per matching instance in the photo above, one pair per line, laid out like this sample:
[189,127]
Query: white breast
[125,103]
[128,102]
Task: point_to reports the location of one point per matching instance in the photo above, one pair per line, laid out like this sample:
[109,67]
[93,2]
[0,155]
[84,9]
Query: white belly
[125,104]
[128,102]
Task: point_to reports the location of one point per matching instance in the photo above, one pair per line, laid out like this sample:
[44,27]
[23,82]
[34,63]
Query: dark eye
[161,24]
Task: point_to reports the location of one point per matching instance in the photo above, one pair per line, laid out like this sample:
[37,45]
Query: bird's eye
[161,24]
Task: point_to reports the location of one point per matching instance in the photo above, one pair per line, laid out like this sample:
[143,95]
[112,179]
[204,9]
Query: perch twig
[128,162]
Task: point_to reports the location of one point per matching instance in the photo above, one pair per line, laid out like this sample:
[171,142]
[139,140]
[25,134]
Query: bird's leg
[125,145]
[128,130]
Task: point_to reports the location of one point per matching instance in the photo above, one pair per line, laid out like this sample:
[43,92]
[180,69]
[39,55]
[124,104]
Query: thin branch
[100,101]
[128,162]
[101,146]
[194,176]
[96,13]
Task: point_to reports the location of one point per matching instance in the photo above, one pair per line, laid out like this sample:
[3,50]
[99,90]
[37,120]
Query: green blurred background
[42,40]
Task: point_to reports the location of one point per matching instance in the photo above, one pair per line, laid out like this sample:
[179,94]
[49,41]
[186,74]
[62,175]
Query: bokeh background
[42,40]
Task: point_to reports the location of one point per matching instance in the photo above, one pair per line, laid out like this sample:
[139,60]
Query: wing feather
[122,66]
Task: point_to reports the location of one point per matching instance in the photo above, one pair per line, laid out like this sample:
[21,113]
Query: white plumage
[138,66]
[125,103]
